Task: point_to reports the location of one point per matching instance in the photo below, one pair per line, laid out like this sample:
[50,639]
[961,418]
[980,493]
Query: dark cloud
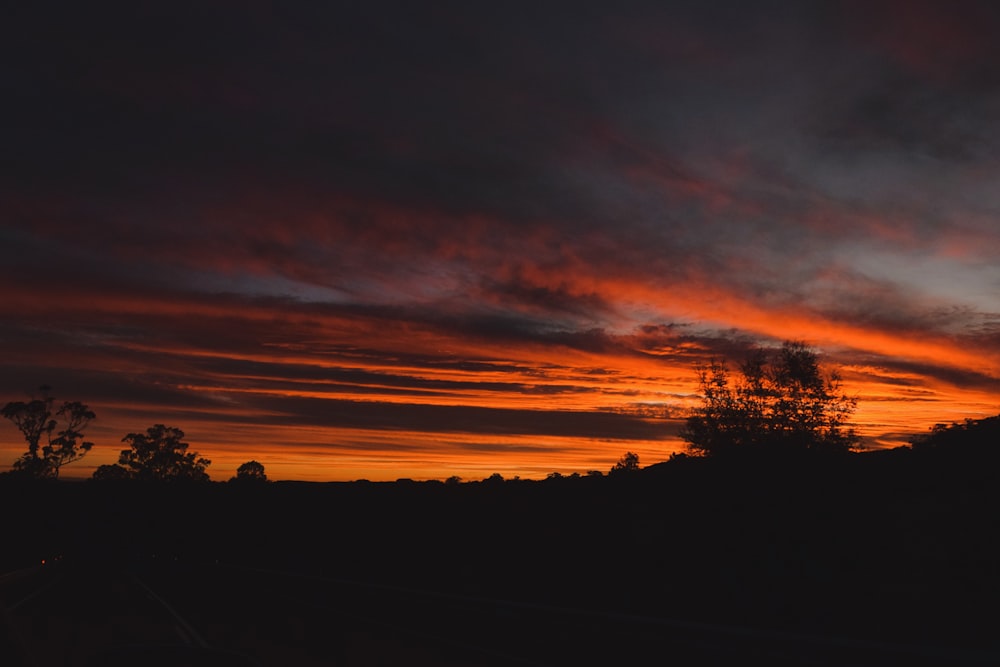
[464,419]
[980,379]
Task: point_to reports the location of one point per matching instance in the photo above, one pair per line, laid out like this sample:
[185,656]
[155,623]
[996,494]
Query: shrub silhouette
[629,462]
[251,471]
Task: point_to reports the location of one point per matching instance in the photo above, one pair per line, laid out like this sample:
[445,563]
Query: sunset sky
[412,239]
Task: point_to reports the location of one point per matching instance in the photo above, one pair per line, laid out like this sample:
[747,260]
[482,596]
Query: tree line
[54,434]
[780,401]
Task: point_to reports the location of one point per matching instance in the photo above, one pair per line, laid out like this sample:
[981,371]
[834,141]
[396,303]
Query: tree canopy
[54,434]
[159,454]
[781,402]
[251,471]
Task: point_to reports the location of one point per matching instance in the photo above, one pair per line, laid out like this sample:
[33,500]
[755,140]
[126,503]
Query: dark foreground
[888,558]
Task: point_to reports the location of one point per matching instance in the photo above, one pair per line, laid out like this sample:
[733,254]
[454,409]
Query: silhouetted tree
[782,402]
[251,471]
[495,478]
[159,454]
[110,473]
[629,462]
[54,435]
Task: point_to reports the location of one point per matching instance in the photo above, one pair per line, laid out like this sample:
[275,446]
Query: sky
[381,240]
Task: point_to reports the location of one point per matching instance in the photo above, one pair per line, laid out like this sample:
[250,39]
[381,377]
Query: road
[62,614]
[162,611]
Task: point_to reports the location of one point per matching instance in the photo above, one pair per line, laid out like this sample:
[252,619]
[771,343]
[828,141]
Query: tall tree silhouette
[159,454]
[782,402]
[54,435]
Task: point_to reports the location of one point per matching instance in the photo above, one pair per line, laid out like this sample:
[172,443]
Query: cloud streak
[344,238]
